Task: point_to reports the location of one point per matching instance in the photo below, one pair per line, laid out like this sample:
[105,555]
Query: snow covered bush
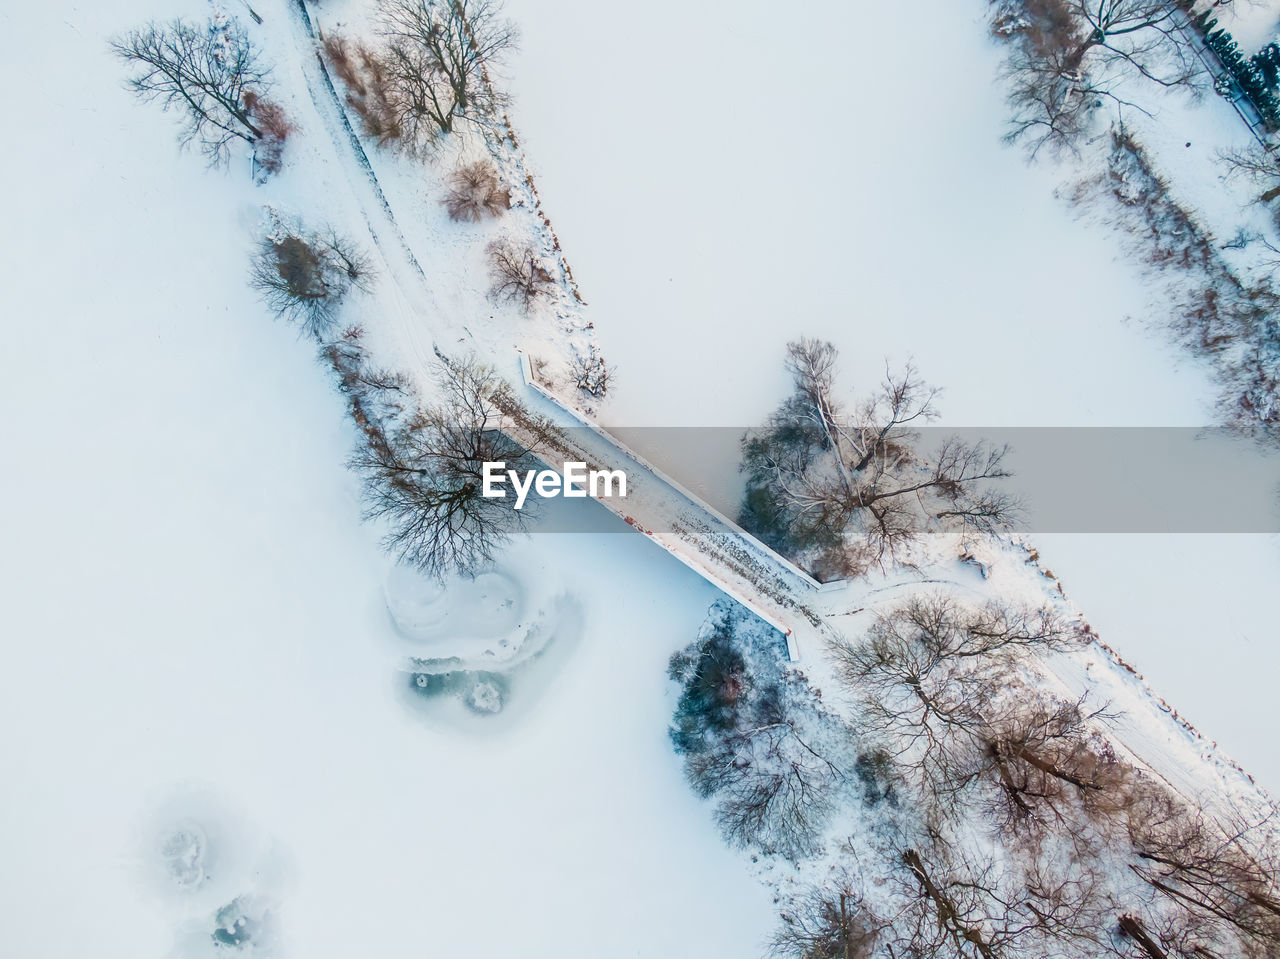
[518,274]
[755,737]
[591,373]
[304,276]
[476,192]
[378,399]
[214,77]
[183,852]
[1254,77]
[276,128]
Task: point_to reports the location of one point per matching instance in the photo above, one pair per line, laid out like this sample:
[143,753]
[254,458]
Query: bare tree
[1255,165]
[1145,34]
[518,274]
[591,373]
[935,676]
[426,478]
[305,276]
[1152,933]
[434,62]
[377,398]
[775,787]
[363,72]
[831,921]
[818,471]
[1051,104]
[212,75]
[972,906]
[1048,759]
[1227,873]
[476,192]
[1068,55]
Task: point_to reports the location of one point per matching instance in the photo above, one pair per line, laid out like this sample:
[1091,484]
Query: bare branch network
[1068,57]
[304,276]
[213,76]
[848,486]
[423,473]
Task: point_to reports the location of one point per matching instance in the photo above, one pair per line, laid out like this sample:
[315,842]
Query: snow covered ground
[198,638]
[195,629]
[863,195]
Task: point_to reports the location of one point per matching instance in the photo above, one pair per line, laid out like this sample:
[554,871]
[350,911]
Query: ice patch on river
[481,646]
[214,874]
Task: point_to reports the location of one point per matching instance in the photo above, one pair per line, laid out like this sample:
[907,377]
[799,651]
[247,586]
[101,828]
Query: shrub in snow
[875,772]
[377,398]
[363,73]
[591,373]
[304,276]
[1218,313]
[518,274]
[476,192]
[270,118]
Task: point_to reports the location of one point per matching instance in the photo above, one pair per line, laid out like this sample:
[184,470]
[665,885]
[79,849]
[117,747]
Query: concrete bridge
[686,526]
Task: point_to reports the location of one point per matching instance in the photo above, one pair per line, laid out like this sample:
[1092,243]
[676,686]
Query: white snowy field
[725,181]
[193,616]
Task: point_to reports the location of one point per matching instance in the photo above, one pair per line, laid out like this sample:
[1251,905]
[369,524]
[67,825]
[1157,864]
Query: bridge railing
[531,380]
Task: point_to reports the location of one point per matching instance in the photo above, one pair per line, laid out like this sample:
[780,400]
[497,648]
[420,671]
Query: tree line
[958,806]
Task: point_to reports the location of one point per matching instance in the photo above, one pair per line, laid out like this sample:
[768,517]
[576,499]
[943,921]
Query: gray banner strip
[1069,479]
